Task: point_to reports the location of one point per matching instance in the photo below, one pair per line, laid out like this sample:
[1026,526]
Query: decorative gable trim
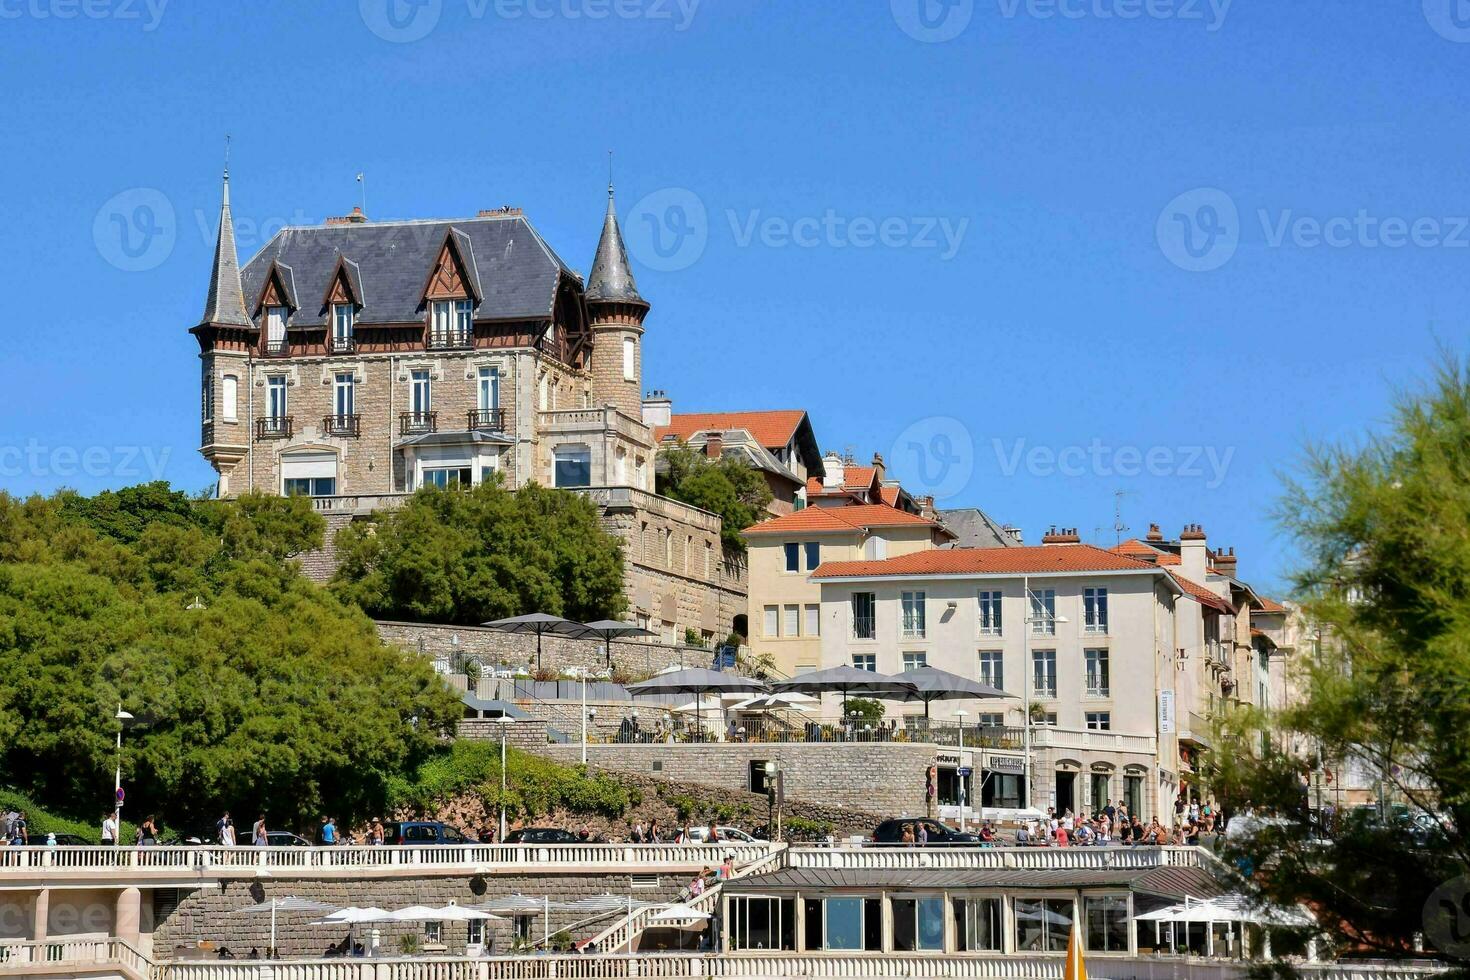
[453,273]
[344,285]
[279,276]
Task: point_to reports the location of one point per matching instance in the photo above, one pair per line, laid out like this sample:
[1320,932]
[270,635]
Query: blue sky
[1077,247]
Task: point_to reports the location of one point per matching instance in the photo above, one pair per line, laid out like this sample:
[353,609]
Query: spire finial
[227,158]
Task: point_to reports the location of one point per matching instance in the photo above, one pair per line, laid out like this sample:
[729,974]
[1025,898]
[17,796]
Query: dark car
[421,832]
[543,835]
[70,840]
[891,832]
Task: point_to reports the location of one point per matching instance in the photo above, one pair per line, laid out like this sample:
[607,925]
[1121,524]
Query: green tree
[273,696]
[1385,530]
[738,493]
[468,556]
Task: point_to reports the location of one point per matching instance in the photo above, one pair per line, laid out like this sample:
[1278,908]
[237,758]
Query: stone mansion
[356,361]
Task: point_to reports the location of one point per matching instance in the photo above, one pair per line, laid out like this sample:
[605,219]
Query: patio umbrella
[352,915]
[679,913]
[537,624]
[289,903]
[932,684]
[697,681]
[513,905]
[845,680]
[608,630]
[773,702]
[417,913]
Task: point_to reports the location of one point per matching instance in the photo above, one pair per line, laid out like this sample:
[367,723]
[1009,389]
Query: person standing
[20,833]
[258,834]
[377,832]
[227,832]
[109,829]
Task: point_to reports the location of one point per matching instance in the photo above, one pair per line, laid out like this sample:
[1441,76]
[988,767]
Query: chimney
[714,444]
[658,409]
[1066,535]
[878,466]
[1154,534]
[505,211]
[1013,531]
[1225,561]
[926,503]
[355,218]
[1192,550]
[833,465]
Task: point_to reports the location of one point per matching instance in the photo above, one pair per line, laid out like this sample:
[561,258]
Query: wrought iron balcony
[341,345]
[346,426]
[417,423]
[487,418]
[276,348]
[273,427]
[450,339]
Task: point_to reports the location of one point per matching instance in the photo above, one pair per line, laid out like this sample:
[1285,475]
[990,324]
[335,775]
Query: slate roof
[225,303]
[513,270]
[853,517]
[1170,882]
[976,529]
[611,278]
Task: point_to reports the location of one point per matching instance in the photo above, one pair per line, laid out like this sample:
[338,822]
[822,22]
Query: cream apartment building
[785,602]
[1090,653]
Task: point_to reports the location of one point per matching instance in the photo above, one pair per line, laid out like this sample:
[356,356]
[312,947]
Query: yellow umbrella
[1076,968]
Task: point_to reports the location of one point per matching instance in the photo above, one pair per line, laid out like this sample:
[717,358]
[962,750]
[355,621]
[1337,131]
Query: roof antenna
[227,156]
[609,174]
[362,186]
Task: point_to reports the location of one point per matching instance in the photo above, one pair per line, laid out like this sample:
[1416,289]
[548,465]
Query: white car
[700,835]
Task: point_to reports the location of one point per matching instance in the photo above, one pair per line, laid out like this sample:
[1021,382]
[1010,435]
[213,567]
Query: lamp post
[502,779]
[122,718]
[960,769]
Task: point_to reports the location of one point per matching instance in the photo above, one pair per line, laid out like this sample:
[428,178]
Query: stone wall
[527,734]
[886,778]
[207,914]
[495,648]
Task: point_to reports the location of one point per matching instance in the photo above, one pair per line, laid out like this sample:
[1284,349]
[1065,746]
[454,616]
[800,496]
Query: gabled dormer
[341,304]
[450,294]
[276,302]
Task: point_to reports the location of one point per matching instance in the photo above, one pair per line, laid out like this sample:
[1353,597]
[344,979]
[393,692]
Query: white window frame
[1095,611]
[420,392]
[988,612]
[914,659]
[872,615]
[344,320]
[771,622]
[791,619]
[811,620]
[1097,672]
[865,661]
[275,324]
[630,359]
[277,397]
[912,603]
[1043,616]
[344,392]
[487,389]
[1043,678]
[1099,721]
[229,397]
[993,668]
[464,319]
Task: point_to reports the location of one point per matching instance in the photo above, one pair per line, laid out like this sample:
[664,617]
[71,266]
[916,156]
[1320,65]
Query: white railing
[19,958]
[899,857]
[212,859]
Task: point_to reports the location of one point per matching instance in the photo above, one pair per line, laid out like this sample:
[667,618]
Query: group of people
[1113,824]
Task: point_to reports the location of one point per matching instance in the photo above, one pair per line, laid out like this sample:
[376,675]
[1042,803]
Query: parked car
[544,835]
[700,835]
[284,838]
[891,832]
[421,832]
[70,840]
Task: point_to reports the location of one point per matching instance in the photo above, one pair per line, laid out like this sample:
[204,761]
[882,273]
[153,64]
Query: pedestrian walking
[376,834]
[20,833]
[227,832]
[109,829]
[258,834]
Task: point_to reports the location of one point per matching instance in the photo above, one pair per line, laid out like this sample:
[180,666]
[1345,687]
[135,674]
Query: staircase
[620,936]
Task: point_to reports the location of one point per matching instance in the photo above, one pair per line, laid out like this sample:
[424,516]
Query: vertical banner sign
[1166,712]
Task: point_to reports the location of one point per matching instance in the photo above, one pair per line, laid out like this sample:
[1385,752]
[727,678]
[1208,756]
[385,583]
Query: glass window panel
[813,554]
[1107,923]
[793,556]
[905,936]
[844,923]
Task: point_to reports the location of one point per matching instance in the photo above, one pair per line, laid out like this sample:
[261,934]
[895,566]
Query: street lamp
[122,718]
[960,769]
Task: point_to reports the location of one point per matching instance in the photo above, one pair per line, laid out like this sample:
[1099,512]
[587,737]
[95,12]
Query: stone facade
[876,777]
[496,649]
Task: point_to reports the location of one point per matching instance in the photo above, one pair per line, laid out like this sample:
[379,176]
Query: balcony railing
[864,628]
[346,426]
[487,418]
[449,339]
[417,423]
[341,345]
[276,348]
[273,427]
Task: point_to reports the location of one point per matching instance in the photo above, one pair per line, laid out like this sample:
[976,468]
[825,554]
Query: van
[421,832]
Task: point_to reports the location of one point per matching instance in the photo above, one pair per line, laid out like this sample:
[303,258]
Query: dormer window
[344,319]
[450,323]
[275,329]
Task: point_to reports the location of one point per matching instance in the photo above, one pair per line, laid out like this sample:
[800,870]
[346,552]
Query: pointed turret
[611,280]
[615,314]
[225,304]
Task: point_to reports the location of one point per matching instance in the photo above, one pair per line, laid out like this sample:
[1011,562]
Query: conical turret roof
[611,280]
[226,301]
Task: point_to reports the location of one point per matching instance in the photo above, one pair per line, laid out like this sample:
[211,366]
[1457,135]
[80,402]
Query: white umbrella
[290,903]
[417,913]
[698,707]
[514,905]
[352,914]
[679,913]
[463,913]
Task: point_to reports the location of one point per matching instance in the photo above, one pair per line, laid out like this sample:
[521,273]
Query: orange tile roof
[1135,548]
[853,478]
[851,518]
[772,429]
[889,495]
[1270,606]
[1203,595]
[1033,560]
